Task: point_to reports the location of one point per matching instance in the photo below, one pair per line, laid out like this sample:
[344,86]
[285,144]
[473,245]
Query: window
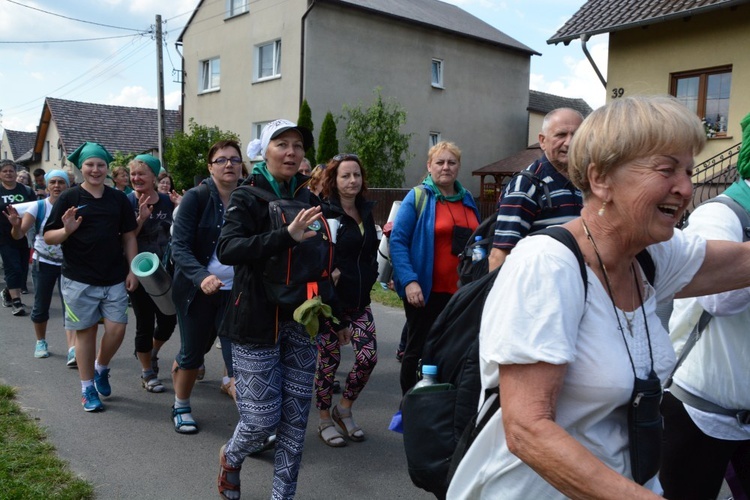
[258,128]
[46,151]
[236,7]
[706,92]
[210,75]
[434,138]
[437,73]
[268,60]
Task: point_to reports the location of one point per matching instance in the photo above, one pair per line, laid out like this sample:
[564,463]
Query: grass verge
[386,296]
[29,467]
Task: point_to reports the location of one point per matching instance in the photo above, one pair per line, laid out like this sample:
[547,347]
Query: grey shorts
[86,304]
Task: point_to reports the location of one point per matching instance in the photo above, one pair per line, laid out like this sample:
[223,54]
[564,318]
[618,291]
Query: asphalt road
[131,450]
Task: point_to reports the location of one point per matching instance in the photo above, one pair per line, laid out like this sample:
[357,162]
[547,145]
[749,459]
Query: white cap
[273,130]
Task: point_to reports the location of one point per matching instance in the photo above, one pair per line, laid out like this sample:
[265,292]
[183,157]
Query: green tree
[121,159]
[374,134]
[328,145]
[185,154]
[305,120]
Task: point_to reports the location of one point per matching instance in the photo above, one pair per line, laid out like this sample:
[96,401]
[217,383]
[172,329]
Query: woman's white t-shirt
[536,312]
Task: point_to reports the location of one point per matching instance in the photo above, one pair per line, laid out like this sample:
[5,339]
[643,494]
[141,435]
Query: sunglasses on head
[346,157]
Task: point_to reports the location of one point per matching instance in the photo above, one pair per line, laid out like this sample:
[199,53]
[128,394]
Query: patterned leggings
[365,347]
[274,393]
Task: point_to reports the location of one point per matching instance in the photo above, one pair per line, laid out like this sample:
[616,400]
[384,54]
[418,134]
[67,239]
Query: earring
[601,210]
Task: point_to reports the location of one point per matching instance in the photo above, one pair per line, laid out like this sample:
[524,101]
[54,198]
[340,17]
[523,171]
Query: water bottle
[478,253]
[429,376]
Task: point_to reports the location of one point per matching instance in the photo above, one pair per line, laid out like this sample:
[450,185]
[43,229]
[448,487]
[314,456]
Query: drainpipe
[584,39]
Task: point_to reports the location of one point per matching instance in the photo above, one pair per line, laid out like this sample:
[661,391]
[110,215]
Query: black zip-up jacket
[355,255]
[246,241]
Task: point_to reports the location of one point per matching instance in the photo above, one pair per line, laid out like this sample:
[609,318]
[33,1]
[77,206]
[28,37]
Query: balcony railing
[712,177]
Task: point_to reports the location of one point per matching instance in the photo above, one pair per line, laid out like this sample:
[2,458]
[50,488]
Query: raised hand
[298,227]
[70,221]
[12,215]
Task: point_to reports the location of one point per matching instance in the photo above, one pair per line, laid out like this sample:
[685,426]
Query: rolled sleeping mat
[385,270]
[155,280]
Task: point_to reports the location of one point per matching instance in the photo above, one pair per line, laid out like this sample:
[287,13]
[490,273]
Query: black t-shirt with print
[93,254]
[18,194]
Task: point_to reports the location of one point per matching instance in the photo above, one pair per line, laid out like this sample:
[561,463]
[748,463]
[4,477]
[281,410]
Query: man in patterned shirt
[519,210]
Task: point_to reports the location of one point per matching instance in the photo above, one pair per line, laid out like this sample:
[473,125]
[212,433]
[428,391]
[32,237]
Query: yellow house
[696,51]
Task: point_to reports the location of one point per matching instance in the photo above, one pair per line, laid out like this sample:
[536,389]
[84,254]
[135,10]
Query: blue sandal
[183,425]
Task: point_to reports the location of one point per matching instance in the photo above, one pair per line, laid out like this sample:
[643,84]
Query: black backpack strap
[566,238]
[647,264]
[543,198]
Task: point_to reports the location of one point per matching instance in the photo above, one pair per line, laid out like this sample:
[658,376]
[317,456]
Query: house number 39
[617,92]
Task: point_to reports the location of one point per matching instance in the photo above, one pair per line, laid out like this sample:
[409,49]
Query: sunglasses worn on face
[221,161]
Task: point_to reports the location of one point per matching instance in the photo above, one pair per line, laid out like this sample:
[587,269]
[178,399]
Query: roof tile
[118,128]
[605,16]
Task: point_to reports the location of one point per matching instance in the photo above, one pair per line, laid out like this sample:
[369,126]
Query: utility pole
[160,92]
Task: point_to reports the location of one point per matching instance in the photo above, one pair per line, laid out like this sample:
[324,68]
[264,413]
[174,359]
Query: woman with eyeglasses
[274,355]
[431,229]
[355,271]
[201,283]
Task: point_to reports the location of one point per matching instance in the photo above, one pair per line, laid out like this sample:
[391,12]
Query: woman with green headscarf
[431,229]
[95,225]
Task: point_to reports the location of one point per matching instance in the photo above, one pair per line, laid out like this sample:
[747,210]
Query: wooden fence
[385,198]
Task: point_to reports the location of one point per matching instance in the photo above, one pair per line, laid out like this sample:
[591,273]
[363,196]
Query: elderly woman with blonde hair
[580,366]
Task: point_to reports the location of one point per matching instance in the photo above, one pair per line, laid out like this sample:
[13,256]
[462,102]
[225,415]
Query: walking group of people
[580,365]
[219,237]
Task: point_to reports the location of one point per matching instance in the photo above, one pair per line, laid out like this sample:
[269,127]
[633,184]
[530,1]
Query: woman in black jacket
[273,355]
[355,271]
[201,284]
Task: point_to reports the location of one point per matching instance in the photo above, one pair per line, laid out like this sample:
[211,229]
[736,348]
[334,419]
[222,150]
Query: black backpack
[304,270]
[439,426]
[468,270]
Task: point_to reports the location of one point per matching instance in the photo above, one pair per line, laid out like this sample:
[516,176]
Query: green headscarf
[743,158]
[153,163]
[740,191]
[460,191]
[262,169]
[89,150]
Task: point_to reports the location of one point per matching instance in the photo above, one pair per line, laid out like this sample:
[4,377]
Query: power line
[71,18]
[110,62]
[75,40]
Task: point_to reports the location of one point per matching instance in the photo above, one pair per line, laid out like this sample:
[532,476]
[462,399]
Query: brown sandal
[346,421]
[223,482]
[330,437]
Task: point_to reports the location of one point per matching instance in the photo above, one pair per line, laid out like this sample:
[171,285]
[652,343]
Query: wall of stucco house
[240,101]
[483,84]
[5,152]
[642,59]
[535,126]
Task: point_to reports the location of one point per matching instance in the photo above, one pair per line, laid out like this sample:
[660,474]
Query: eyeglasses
[346,157]
[234,160]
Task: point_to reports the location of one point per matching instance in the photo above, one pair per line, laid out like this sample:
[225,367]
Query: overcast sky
[122,70]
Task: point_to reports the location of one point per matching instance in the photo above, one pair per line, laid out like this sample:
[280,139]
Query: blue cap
[429,370]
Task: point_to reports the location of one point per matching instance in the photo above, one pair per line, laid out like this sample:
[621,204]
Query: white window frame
[45,150]
[437,80]
[206,76]
[275,45]
[258,128]
[434,138]
[236,7]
